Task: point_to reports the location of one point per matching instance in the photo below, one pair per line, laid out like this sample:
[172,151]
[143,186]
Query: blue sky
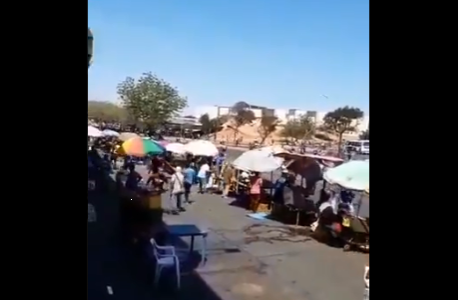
[276,53]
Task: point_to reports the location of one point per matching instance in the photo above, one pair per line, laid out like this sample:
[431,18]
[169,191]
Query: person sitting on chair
[346,197]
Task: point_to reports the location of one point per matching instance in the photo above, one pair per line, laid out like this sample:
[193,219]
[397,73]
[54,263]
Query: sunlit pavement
[267,261]
[239,267]
[275,264]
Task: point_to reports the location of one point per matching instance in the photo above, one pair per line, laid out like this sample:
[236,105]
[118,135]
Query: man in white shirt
[176,191]
[202,175]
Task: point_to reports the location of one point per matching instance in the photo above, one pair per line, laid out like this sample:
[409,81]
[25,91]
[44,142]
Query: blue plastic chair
[165,258]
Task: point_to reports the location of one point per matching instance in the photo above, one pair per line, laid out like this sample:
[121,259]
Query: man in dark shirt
[279,187]
[133,178]
[219,160]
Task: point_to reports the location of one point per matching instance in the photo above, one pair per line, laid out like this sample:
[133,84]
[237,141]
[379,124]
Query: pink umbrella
[163,143]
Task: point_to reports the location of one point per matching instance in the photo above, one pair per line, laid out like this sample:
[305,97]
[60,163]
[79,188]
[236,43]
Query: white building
[283,115]
[184,120]
[215,111]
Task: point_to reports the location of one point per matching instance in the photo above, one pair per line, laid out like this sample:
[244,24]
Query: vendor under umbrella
[133,178]
[279,186]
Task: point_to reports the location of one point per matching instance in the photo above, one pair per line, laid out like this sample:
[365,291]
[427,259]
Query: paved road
[267,261]
[262,262]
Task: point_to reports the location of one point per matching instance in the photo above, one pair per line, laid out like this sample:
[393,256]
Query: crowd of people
[179,176]
[202,174]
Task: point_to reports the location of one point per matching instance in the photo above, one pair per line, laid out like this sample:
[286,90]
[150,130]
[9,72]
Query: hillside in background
[250,133]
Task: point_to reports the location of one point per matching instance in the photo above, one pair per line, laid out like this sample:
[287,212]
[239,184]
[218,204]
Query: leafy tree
[242,115]
[217,124]
[290,130]
[267,126]
[307,127]
[104,111]
[150,99]
[240,106]
[206,123]
[364,135]
[342,120]
[210,126]
[302,128]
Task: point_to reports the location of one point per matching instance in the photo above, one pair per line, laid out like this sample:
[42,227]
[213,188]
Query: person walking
[189,177]
[176,191]
[203,175]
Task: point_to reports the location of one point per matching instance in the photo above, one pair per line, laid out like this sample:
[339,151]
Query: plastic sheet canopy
[258,160]
[353,175]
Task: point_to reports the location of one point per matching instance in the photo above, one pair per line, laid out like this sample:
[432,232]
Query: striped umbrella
[139,147]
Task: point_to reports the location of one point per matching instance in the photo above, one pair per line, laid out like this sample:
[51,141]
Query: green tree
[217,124]
[242,115]
[240,106]
[267,126]
[291,130]
[302,128]
[210,126]
[342,120]
[307,127]
[150,99]
[104,111]
[207,125]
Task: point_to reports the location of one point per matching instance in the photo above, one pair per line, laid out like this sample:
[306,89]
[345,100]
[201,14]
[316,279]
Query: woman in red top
[255,191]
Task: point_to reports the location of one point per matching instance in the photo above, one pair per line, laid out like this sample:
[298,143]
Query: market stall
[352,178]
[201,148]
[295,204]
[255,161]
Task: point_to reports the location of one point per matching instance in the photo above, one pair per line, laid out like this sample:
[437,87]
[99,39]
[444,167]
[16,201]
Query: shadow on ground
[116,266]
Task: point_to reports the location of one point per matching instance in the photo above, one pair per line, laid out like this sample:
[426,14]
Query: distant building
[217,111]
[186,120]
[227,111]
[283,115]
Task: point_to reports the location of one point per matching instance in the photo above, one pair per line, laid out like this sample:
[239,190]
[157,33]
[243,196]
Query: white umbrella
[177,148]
[353,175]
[108,132]
[93,132]
[258,160]
[201,148]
